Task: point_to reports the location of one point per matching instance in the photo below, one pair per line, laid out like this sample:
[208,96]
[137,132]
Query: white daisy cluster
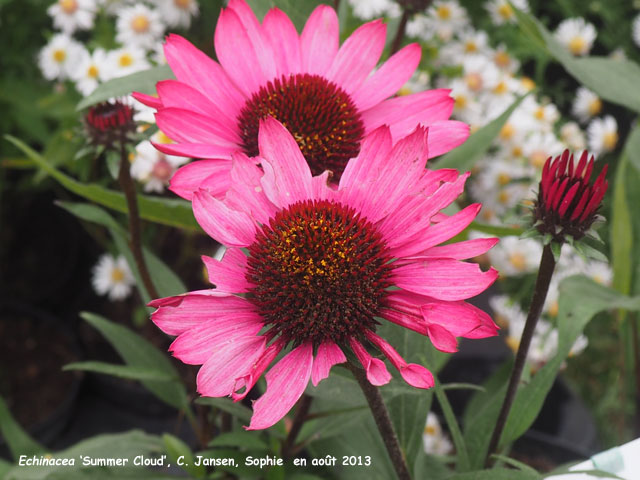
[139,25]
[112,277]
[152,168]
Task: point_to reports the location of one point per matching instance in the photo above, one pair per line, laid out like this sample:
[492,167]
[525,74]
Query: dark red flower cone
[110,124]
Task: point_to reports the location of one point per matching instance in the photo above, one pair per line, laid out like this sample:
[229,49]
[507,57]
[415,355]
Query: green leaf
[244,440]
[119,445]
[454,428]
[143,82]
[497,474]
[172,212]
[165,280]
[238,410]
[296,10]
[497,230]
[614,80]
[514,463]
[19,441]
[177,448]
[138,352]
[467,154]
[122,371]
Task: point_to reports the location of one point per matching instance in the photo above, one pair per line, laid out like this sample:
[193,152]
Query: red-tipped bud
[110,123]
[567,203]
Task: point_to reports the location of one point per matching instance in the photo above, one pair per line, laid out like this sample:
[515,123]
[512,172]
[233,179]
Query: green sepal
[556,248]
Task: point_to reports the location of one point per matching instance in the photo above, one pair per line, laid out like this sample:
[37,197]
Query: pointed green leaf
[454,428]
[19,441]
[122,371]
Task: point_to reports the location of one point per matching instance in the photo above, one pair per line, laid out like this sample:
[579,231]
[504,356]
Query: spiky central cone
[320,115]
[110,123]
[319,272]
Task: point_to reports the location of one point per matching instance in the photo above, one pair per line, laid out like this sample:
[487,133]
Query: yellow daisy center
[539,113]
[516,151]
[610,140]
[577,45]
[553,309]
[501,88]
[444,12]
[93,71]
[59,55]
[507,131]
[461,101]
[474,81]
[518,260]
[162,138]
[430,430]
[527,83]
[595,106]
[125,60]
[538,158]
[117,275]
[504,178]
[502,59]
[512,343]
[68,6]
[470,46]
[184,4]
[505,11]
[140,24]
[503,197]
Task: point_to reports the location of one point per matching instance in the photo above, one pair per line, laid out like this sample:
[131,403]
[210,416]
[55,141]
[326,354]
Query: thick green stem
[383,422]
[547,265]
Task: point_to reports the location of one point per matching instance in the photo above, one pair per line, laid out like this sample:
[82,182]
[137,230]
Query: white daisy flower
[635,30]
[466,108]
[139,26]
[126,60]
[543,115]
[514,256]
[443,19]
[504,61]
[72,15]
[469,42]
[91,70]
[434,439]
[480,73]
[501,12]
[586,104]
[573,136]
[153,168]
[112,277]
[539,146]
[370,9]
[177,13]
[60,57]
[576,34]
[505,311]
[602,134]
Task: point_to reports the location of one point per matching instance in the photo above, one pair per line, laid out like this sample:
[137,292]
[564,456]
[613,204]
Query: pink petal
[358,56]
[444,279]
[211,175]
[446,135]
[190,127]
[319,40]
[193,67]
[442,339]
[287,178]
[194,150]
[403,113]
[284,40]
[228,274]
[415,375]
[459,318]
[217,376]
[377,372]
[462,250]
[198,344]
[247,381]
[406,320]
[389,78]
[286,382]
[229,227]
[179,95]
[176,315]
[234,41]
[437,233]
[148,100]
[328,355]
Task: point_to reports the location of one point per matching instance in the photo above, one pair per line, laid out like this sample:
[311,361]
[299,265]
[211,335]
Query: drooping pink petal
[180,95]
[282,35]
[197,344]
[211,175]
[389,78]
[193,67]
[217,376]
[442,338]
[178,314]
[229,227]
[415,375]
[358,56]
[148,100]
[247,381]
[195,150]
[461,319]
[319,40]
[233,40]
[437,233]
[404,319]
[446,135]
[286,382]
[287,177]
[377,372]
[190,127]
[327,356]
[228,274]
[444,279]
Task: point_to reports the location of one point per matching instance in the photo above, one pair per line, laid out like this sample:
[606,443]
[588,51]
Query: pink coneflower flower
[323,267]
[567,203]
[328,97]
